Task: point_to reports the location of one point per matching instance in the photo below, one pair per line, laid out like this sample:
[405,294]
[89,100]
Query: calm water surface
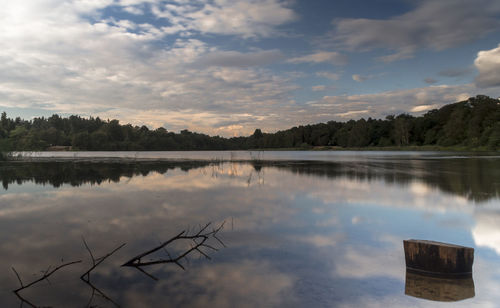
[302,229]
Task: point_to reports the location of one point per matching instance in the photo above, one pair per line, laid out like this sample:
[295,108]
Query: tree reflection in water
[476,178]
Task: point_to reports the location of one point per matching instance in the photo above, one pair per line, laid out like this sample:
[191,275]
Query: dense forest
[471,124]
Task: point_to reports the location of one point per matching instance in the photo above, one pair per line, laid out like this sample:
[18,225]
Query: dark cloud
[432,24]
[360,78]
[240,59]
[430,80]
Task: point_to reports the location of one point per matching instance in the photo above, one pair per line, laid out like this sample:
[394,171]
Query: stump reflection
[437,288]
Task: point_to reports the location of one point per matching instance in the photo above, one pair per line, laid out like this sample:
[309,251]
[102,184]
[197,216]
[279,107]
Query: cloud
[332,76]
[436,25]
[352,114]
[334,58]
[488,64]
[430,80]
[249,19]
[133,10]
[402,54]
[360,78]
[239,59]
[421,108]
[318,88]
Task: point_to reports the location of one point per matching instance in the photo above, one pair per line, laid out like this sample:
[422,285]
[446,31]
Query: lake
[261,229]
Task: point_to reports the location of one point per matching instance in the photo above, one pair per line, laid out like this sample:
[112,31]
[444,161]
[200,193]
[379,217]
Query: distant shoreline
[432,148]
[389,148]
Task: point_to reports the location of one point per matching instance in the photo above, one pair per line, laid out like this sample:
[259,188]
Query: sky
[227,67]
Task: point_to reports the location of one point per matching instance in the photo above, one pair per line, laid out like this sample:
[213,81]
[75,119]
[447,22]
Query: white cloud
[249,19]
[431,24]
[318,88]
[133,10]
[352,114]
[421,108]
[488,65]
[53,58]
[334,58]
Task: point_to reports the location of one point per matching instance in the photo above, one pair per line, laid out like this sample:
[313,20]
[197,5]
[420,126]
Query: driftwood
[46,274]
[198,242]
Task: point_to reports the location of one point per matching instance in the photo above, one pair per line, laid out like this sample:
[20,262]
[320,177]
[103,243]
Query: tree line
[473,124]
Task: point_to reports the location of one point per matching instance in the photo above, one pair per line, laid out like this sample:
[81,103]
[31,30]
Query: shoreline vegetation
[471,125]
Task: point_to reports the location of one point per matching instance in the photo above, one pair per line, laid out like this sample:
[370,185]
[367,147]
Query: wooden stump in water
[438,259]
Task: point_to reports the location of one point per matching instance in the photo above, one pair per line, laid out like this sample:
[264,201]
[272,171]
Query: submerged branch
[85,277]
[46,274]
[198,241]
[99,292]
[95,262]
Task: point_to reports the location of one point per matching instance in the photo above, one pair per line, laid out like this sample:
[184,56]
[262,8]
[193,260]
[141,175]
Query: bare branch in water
[99,292]
[198,242]
[146,273]
[18,278]
[85,277]
[95,262]
[46,274]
